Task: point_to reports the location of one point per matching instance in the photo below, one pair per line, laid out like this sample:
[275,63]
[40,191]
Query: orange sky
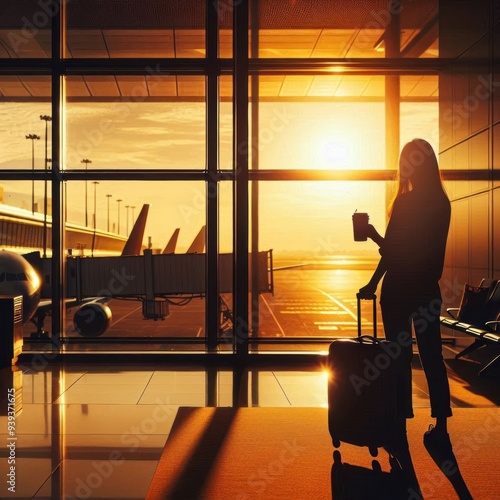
[309,216]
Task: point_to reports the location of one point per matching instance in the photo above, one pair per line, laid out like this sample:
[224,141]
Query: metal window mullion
[58,309]
[212,185]
[240,186]
[254,201]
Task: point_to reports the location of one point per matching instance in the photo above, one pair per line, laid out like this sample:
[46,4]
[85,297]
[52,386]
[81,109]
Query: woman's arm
[375,235]
[368,291]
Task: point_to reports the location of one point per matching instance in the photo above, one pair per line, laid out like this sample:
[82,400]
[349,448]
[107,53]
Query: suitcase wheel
[336,442]
[373,451]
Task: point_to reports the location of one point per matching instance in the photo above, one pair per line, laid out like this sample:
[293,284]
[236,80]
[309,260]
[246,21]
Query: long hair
[418,169]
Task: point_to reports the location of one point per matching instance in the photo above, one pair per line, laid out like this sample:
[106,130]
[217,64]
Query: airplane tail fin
[172,242]
[198,245]
[133,246]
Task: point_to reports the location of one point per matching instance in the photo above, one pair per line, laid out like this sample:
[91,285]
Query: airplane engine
[93,319]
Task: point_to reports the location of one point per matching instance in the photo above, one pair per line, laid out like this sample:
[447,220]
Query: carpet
[286,453]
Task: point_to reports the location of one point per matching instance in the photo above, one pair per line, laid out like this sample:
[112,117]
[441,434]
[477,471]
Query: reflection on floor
[98,431]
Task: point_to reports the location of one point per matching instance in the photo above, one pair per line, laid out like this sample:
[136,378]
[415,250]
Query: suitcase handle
[374,300]
[364,338]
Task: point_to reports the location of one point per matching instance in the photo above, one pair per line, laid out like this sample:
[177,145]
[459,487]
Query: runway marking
[272,314]
[126,315]
[333,299]
[311,312]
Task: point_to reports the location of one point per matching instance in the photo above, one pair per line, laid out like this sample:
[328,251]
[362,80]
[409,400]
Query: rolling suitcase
[362,393]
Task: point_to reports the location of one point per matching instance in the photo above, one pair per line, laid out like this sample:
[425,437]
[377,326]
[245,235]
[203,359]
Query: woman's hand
[373,234]
[367,292]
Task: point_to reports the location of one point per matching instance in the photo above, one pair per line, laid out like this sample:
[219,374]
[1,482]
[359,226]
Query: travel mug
[360,226]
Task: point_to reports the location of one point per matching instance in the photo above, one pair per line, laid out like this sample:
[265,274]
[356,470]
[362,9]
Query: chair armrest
[491,323]
[452,311]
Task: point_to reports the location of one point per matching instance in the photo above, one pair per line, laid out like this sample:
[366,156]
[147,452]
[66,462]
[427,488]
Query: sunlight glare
[334,153]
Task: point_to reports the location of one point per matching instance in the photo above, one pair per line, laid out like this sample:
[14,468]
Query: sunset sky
[309,216]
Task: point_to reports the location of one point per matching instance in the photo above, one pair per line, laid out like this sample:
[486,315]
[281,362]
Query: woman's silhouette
[411,263]
[412,258]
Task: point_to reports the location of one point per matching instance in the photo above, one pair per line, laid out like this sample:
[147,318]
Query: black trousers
[405,305]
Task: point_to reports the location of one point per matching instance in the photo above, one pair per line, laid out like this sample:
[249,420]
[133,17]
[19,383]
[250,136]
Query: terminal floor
[98,431]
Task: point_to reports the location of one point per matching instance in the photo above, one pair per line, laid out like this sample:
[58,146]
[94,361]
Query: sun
[340,152]
[334,153]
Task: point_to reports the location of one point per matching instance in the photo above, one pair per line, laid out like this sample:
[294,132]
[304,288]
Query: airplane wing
[198,245]
[172,242]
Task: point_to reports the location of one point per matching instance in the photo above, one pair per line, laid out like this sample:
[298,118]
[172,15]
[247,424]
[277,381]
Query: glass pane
[226,123]
[135,122]
[320,135]
[226,324]
[318,267]
[110,29]
[136,250]
[22,131]
[337,122]
[420,119]
[24,215]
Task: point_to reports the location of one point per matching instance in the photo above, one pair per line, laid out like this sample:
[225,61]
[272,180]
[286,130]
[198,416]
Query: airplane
[172,242]
[18,276]
[197,246]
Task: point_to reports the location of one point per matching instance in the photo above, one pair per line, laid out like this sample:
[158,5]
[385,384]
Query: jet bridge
[156,279]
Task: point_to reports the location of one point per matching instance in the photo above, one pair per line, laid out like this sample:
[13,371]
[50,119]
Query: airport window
[270,142]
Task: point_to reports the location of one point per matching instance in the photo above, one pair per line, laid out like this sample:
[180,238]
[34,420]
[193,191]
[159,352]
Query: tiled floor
[98,431]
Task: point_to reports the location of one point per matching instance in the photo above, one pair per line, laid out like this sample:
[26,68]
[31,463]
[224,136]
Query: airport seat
[485,334]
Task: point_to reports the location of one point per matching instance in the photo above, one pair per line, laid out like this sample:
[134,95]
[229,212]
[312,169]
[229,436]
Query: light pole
[119,200]
[95,203]
[133,220]
[33,138]
[46,119]
[127,207]
[86,161]
[108,196]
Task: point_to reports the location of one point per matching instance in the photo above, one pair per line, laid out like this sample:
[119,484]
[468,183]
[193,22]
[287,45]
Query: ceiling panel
[139,43]
[191,86]
[325,86]
[11,86]
[134,86]
[38,86]
[17,44]
[102,86]
[175,29]
[86,43]
[76,87]
[162,86]
[375,87]
[352,86]
[277,86]
[427,86]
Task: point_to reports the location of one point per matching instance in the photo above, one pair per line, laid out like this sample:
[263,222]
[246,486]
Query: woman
[412,259]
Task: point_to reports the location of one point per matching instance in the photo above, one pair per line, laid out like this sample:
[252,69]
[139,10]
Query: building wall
[469,131]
